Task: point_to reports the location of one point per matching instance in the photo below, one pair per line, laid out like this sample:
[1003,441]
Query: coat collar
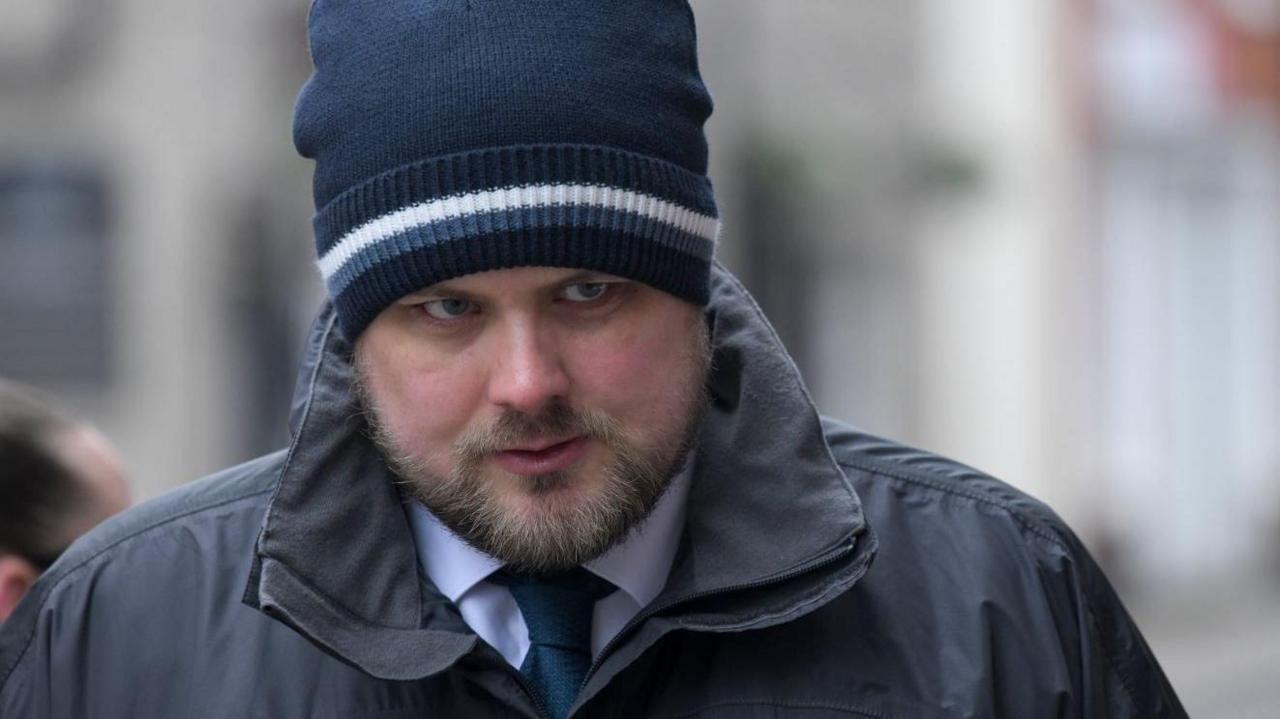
[335,558]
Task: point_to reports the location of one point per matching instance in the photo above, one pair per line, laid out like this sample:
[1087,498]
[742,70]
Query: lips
[543,459]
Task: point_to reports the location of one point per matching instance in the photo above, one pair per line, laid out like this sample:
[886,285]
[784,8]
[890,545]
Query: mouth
[542,457]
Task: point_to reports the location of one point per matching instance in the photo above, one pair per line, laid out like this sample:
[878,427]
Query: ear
[16,577]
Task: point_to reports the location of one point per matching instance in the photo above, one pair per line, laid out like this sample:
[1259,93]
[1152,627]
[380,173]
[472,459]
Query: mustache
[557,420]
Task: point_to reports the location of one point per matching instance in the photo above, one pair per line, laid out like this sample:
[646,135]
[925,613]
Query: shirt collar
[639,565]
[453,565]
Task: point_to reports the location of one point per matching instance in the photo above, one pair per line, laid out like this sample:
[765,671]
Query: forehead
[511,281]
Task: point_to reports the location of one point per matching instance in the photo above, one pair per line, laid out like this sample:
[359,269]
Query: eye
[449,308]
[585,291]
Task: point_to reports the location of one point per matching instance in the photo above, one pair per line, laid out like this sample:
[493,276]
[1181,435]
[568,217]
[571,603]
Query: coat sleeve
[1114,671]
[40,673]
[1065,638]
[101,633]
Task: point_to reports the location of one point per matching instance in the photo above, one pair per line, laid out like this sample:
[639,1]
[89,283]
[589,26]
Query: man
[547,458]
[58,478]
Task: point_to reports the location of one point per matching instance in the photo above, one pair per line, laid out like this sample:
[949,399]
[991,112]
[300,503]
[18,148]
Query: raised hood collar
[336,560]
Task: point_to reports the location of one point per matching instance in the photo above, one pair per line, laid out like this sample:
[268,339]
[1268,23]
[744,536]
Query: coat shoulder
[145,542]
[971,545]
[244,486]
[879,461]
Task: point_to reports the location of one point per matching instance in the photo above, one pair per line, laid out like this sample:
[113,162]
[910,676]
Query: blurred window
[54,273]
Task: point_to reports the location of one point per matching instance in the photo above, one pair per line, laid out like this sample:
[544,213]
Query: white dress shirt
[638,567]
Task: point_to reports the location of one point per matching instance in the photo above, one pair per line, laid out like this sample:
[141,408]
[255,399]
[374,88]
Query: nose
[528,371]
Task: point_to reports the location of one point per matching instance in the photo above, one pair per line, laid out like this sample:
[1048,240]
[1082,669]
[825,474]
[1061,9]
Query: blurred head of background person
[58,478]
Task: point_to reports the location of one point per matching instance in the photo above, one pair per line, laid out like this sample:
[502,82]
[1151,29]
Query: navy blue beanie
[456,136]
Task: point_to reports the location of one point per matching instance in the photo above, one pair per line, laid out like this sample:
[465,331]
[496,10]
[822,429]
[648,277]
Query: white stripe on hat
[511,198]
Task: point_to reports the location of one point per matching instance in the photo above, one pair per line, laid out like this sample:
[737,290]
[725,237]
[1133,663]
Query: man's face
[538,412]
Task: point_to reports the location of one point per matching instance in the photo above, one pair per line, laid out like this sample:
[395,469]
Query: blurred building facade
[1040,237]
[177,117]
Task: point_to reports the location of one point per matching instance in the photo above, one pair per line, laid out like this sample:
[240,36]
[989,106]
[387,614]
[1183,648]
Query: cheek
[426,405]
[636,377]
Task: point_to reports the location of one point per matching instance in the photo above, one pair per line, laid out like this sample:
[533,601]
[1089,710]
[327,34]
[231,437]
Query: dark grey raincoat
[822,573]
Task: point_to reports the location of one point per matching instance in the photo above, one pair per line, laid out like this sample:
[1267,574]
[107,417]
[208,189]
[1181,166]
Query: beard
[563,529]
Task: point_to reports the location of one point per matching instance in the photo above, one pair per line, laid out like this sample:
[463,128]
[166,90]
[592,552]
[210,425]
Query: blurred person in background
[548,457]
[58,479]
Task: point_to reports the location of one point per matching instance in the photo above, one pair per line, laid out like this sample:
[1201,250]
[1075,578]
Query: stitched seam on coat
[8,671]
[1109,653]
[819,597]
[1017,516]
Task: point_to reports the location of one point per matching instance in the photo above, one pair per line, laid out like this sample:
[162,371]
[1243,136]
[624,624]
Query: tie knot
[557,606]
[577,581]
[557,609]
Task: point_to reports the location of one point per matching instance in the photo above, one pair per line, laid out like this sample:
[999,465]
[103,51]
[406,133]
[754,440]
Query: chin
[541,522]
[557,493]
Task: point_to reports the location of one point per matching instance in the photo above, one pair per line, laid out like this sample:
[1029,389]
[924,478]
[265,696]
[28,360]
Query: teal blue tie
[557,608]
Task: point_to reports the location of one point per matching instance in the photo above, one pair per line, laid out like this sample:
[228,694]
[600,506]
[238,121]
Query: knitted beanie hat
[456,136]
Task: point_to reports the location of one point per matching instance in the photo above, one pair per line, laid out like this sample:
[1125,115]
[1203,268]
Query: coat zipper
[533,694]
[830,557]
